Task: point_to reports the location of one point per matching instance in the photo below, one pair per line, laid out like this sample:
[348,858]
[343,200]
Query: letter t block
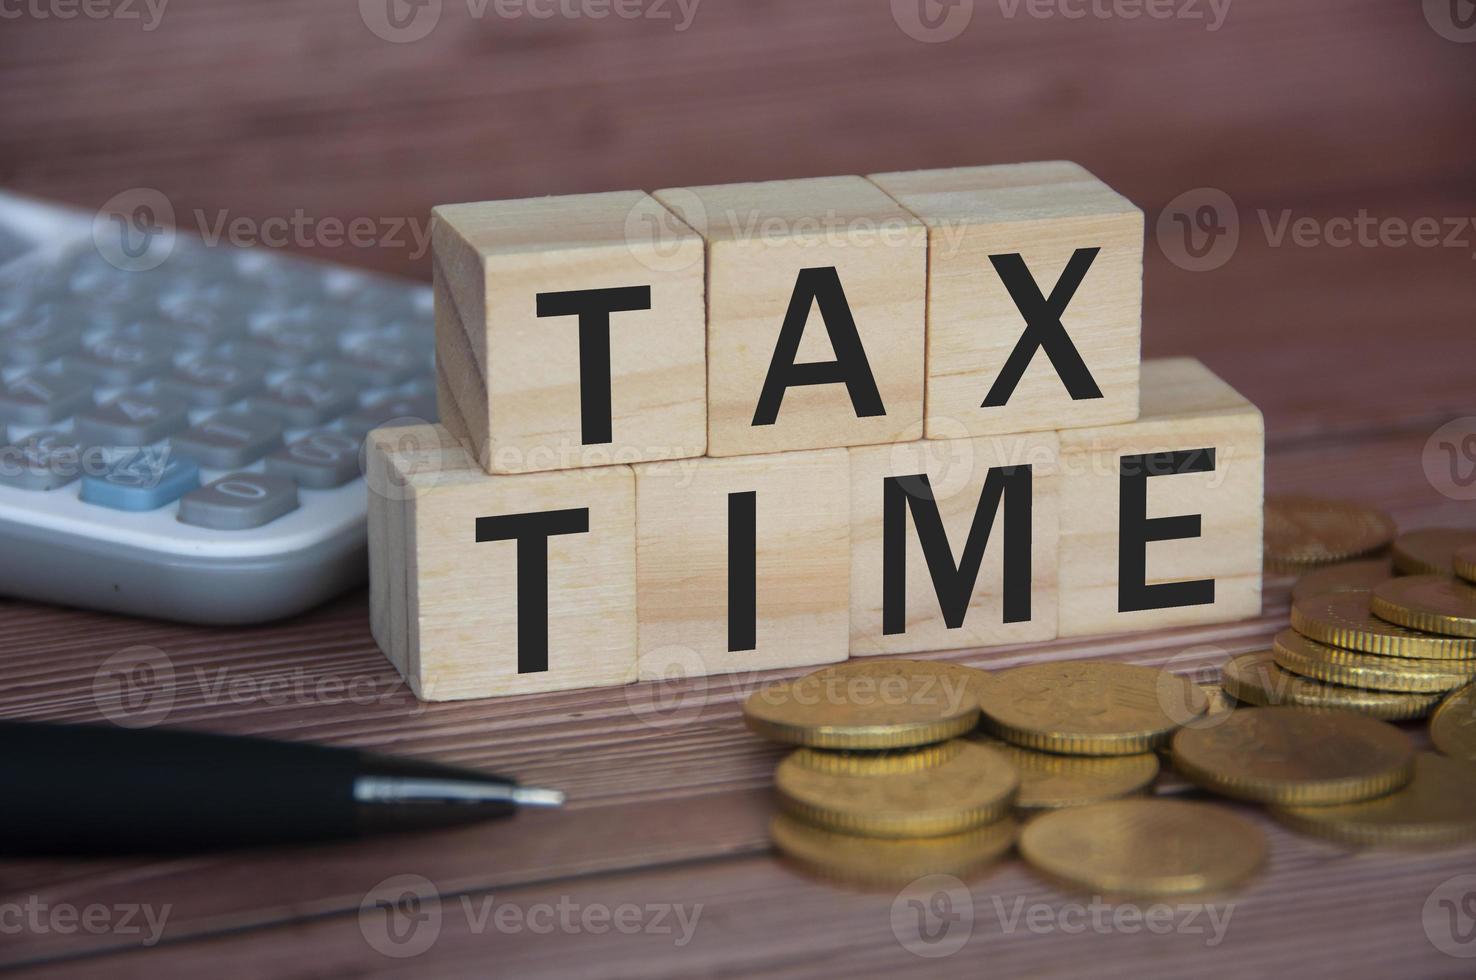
[570,331]
[1035,297]
[487,585]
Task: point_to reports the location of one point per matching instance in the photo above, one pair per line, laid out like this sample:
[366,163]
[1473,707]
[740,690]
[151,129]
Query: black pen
[85,789]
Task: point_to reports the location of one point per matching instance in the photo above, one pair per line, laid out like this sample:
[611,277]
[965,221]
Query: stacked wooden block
[717,429]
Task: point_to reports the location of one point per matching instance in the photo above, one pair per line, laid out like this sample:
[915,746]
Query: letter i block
[742,564]
[482,586]
[815,313]
[954,543]
[1035,297]
[1161,518]
[570,331]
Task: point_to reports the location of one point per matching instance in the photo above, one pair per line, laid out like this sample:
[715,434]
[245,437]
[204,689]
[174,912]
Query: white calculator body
[181,424]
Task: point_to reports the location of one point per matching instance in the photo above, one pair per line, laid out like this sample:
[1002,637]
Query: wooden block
[816,298]
[1188,478]
[742,564]
[953,543]
[487,585]
[570,331]
[1035,297]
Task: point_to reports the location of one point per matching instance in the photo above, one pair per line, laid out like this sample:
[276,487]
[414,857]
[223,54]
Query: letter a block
[743,564]
[815,313]
[483,585]
[1035,297]
[570,331]
[1161,518]
[954,543]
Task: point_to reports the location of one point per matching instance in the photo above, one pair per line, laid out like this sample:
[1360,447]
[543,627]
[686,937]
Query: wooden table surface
[1320,109]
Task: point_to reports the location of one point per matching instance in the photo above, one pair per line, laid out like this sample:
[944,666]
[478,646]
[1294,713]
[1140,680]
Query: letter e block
[487,585]
[570,331]
[1035,297]
[815,313]
[953,543]
[742,564]
[1161,518]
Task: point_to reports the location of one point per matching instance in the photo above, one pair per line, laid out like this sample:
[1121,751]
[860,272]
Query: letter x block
[815,313]
[570,331]
[953,543]
[1035,297]
[483,586]
[1161,518]
[743,564]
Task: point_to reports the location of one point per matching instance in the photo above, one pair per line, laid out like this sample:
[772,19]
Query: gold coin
[1464,563]
[1049,781]
[1344,619]
[866,704]
[926,792]
[1302,531]
[880,861]
[1089,708]
[1348,576]
[1453,727]
[1334,665]
[1144,847]
[1296,757]
[1433,603]
[1256,679]
[1430,551]
[1437,806]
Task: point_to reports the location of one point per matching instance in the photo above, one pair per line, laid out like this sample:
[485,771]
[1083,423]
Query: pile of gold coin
[903,768]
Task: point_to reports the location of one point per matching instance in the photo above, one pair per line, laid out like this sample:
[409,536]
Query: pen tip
[534,796]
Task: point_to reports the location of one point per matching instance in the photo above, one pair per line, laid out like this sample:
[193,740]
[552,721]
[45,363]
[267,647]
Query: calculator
[181,424]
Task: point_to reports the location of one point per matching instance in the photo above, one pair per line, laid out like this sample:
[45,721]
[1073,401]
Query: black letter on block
[1043,327]
[742,571]
[954,584]
[532,532]
[593,307]
[820,286]
[1135,529]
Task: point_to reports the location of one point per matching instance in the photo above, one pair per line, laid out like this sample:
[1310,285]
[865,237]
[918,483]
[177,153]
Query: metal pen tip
[534,796]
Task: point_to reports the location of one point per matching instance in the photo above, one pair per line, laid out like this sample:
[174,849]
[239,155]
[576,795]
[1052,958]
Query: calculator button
[303,400]
[40,333]
[119,358]
[377,365]
[43,460]
[378,412]
[205,314]
[211,382]
[43,397]
[320,460]
[230,439]
[132,420]
[292,342]
[147,480]
[239,501]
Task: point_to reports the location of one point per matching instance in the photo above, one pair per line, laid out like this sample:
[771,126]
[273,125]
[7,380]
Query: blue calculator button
[147,480]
